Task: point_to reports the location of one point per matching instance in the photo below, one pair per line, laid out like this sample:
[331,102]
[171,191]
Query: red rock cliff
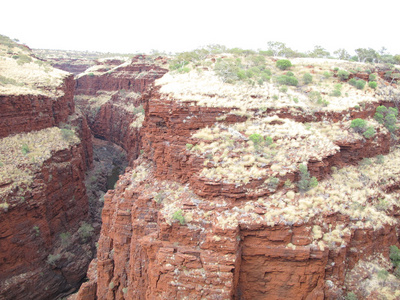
[170,233]
[24,113]
[112,98]
[222,204]
[45,235]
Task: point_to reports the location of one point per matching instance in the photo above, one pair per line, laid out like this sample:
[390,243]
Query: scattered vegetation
[29,150]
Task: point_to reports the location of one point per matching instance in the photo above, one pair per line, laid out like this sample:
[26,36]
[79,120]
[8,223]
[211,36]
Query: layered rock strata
[27,112]
[46,239]
[169,232]
[112,95]
[222,203]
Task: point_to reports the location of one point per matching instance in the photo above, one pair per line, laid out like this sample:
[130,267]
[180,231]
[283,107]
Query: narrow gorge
[225,190]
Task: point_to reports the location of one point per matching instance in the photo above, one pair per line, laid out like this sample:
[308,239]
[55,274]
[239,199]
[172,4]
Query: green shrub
[287,80]
[289,73]
[387,117]
[327,74]
[315,96]
[65,239]
[51,259]
[353,81]
[283,89]
[323,102]
[372,77]
[178,216]
[37,230]
[306,182]
[5,80]
[336,93]
[67,134]
[369,133]
[395,256]
[283,64]
[351,296]
[257,139]
[343,75]
[380,159]
[189,146]
[25,149]
[372,84]
[91,74]
[273,183]
[358,125]
[360,84]
[268,140]
[307,78]
[85,231]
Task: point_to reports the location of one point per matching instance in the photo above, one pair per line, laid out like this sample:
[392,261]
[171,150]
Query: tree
[277,48]
[318,52]
[342,54]
[367,55]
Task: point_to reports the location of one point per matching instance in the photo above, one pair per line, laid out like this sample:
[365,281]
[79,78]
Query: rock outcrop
[169,232]
[46,236]
[27,112]
[44,251]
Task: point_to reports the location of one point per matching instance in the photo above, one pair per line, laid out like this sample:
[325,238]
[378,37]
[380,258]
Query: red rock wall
[169,126]
[136,77]
[140,256]
[113,119]
[24,113]
[30,231]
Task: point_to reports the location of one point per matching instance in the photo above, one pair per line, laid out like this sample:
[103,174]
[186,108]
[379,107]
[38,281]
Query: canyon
[203,210]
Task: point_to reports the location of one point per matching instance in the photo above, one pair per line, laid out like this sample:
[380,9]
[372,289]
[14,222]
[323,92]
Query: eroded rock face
[114,75]
[147,251]
[42,252]
[45,234]
[112,98]
[74,66]
[24,113]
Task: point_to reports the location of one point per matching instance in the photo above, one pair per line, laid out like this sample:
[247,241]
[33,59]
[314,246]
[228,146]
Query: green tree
[318,51]
[277,48]
[342,54]
[367,55]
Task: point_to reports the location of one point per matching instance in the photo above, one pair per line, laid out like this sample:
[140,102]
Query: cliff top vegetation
[23,73]
[255,80]
[22,155]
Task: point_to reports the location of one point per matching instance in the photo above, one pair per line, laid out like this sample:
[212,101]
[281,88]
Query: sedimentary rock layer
[24,113]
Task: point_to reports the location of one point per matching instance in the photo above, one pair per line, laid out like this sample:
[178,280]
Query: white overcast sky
[178,25]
